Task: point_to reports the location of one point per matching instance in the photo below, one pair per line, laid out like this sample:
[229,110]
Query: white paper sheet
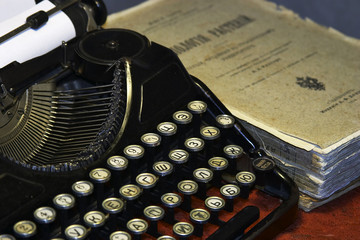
[32,43]
[12,8]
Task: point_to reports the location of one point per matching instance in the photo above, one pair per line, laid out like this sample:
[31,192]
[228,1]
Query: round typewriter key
[118,166]
[100,176]
[263,168]
[134,151]
[215,204]
[225,121]
[166,237]
[264,165]
[199,217]
[130,192]
[171,201]
[182,117]
[135,154]
[117,163]
[94,219]
[233,151]
[178,156]
[183,230]
[197,107]
[246,181]
[194,144]
[229,192]
[202,176]
[188,188]
[167,128]
[120,235]
[82,188]
[76,232]
[164,170]
[146,180]
[137,227]
[64,202]
[218,163]
[45,215]
[151,139]
[25,229]
[7,237]
[210,133]
[154,214]
[113,206]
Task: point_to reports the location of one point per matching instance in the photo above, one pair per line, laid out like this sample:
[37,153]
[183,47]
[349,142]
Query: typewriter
[107,136]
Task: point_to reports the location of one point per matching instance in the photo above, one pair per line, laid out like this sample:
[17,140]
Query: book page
[293,78]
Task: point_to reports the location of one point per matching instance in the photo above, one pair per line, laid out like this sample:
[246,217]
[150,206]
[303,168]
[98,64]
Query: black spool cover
[98,50]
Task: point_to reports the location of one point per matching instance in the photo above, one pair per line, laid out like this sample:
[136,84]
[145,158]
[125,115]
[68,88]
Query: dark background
[343,15]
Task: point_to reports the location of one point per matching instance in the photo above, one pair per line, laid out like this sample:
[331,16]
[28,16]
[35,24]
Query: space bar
[236,226]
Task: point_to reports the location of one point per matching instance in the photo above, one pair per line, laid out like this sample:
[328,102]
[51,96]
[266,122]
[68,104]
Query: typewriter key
[100,176]
[165,237]
[137,227]
[64,202]
[44,216]
[94,219]
[76,232]
[188,188]
[120,235]
[233,153]
[7,237]
[199,217]
[225,121]
[130,193]
[118,167]
[202,176]
[217,165]
[82,189]
[263,168]
[229,192]
[179,158]
[135,154]
[195,146]
[183,230]
[147,181]
[151,141]
[167,130]
[25,229]
[183,120]
[246,181]
[197,108]
[164,171]
[113,206]
[154,214]
[215,204]
[171,201]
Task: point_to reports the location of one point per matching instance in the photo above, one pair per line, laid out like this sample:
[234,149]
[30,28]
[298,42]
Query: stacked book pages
[294,84]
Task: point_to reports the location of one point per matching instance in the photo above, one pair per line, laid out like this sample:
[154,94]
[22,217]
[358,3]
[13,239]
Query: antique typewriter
[107,136]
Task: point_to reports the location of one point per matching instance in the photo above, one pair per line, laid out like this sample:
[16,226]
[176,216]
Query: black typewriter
[107,136]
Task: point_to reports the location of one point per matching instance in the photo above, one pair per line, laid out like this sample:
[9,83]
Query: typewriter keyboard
[187,178]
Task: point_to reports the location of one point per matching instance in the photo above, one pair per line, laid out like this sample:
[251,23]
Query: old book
[293,83]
